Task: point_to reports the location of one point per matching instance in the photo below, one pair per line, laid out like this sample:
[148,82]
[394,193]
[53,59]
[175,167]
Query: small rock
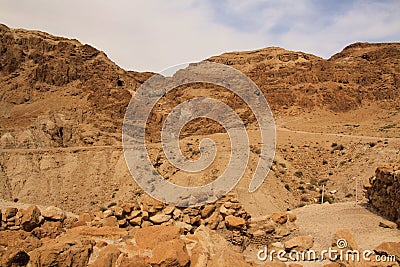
[78,223]
[228,204]
[150,204]
[160,218]
[146,224]
[107,213]
[281,232]
[234,222]
[54,213]
[145,215]
[280,217]
[269,227]
[10,212]
[168,210]
[259,233]
[207,211]
[133,214]
[176,214]
[221,225]
[110,221]
[300,243]
[195,220]
[187,227]
[186,218]
[387,224]
[31,218]
[137,221]
[85,217]
[279,245]
[224,211]
[99,215]
[122,223]
[192,211]
[127,207]
[291,217]
[213,220]
[69,221]
[118,212]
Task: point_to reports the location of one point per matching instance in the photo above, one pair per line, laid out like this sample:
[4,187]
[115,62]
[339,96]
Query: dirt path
[282,129]
[337,135]
[54,149]
[323,221]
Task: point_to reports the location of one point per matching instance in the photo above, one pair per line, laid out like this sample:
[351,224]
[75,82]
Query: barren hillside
[63,104]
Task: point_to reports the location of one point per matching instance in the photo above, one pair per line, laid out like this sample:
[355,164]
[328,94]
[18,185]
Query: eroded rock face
[342,83]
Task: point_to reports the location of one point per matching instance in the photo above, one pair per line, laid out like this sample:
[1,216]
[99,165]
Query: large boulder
[150,237]
[169,254]
[54,214]
[31,218]
[63,252]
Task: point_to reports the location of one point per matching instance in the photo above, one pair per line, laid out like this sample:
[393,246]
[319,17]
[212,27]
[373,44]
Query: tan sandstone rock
[299,243]
[234,222]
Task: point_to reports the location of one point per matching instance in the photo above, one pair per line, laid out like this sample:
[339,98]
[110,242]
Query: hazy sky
[156,34]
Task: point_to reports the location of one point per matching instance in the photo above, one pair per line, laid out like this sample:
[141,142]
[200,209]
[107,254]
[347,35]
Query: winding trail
[56,149]
[278,129]
[282,129]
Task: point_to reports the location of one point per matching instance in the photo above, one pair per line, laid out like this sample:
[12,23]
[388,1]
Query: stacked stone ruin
[226,216]
[383,192]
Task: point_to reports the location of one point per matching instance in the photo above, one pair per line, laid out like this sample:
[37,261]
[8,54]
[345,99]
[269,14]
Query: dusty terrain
[337,120]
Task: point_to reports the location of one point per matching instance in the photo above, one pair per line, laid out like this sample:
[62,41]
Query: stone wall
[383,192]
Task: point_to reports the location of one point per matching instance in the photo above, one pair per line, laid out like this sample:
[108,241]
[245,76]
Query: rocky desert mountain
[61,114]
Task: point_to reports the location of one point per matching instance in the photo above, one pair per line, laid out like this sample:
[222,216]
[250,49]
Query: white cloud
[155,34]
[371,22]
